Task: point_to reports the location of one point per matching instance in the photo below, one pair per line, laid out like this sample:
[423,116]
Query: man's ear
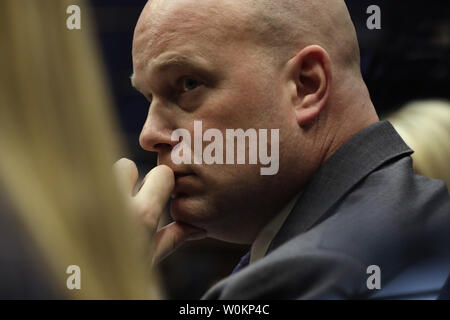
[310,72]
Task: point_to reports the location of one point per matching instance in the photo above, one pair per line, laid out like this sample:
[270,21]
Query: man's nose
[156,133]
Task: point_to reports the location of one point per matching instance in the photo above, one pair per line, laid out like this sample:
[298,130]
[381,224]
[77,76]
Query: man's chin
[188,209]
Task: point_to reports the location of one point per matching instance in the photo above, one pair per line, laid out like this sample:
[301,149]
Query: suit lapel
[355,160]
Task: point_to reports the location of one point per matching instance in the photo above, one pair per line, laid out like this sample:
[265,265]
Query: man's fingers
[154,194]
[172,236]
[127,174]
[150,201]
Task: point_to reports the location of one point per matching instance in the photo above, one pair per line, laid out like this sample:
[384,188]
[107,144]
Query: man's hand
[149,203]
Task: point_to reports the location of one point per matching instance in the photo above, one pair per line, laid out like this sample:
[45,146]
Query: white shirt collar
[268,233]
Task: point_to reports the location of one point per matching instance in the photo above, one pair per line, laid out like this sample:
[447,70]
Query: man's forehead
[164,20]
[166,25]
[179,14]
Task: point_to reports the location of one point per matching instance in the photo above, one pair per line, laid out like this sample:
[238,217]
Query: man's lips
[182,178]
[183,183]
[179,171]
[181,174]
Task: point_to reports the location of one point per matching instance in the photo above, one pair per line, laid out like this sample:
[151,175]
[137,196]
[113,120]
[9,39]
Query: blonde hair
[425,127]
[58,141]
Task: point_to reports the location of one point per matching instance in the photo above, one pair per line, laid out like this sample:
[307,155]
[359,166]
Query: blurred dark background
[408,59]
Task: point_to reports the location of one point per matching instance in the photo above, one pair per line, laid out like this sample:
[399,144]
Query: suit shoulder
[291,272]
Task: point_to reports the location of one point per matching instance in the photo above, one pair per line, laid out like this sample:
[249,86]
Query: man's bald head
[280,28]
[287,26]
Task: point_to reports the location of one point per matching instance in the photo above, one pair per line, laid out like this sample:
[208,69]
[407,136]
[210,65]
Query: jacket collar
[352,162]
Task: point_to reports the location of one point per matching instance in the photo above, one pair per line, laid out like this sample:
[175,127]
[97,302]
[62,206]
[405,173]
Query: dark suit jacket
[365,206]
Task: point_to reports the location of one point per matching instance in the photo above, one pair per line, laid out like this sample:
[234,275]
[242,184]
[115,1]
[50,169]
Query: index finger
[127,174]
[154,194]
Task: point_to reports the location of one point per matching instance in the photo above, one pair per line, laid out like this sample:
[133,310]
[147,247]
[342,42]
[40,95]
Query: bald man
[345,199]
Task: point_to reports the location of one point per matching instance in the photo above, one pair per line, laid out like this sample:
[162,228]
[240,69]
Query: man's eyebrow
[175,60]
[171,60]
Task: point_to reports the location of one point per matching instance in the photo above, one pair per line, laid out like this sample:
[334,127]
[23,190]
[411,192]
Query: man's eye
[189,84]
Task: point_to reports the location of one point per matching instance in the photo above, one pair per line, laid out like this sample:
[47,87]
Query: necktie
[245,260]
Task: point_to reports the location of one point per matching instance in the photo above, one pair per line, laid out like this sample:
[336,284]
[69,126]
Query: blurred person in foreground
[345,197]
[60,203]
[425,127]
